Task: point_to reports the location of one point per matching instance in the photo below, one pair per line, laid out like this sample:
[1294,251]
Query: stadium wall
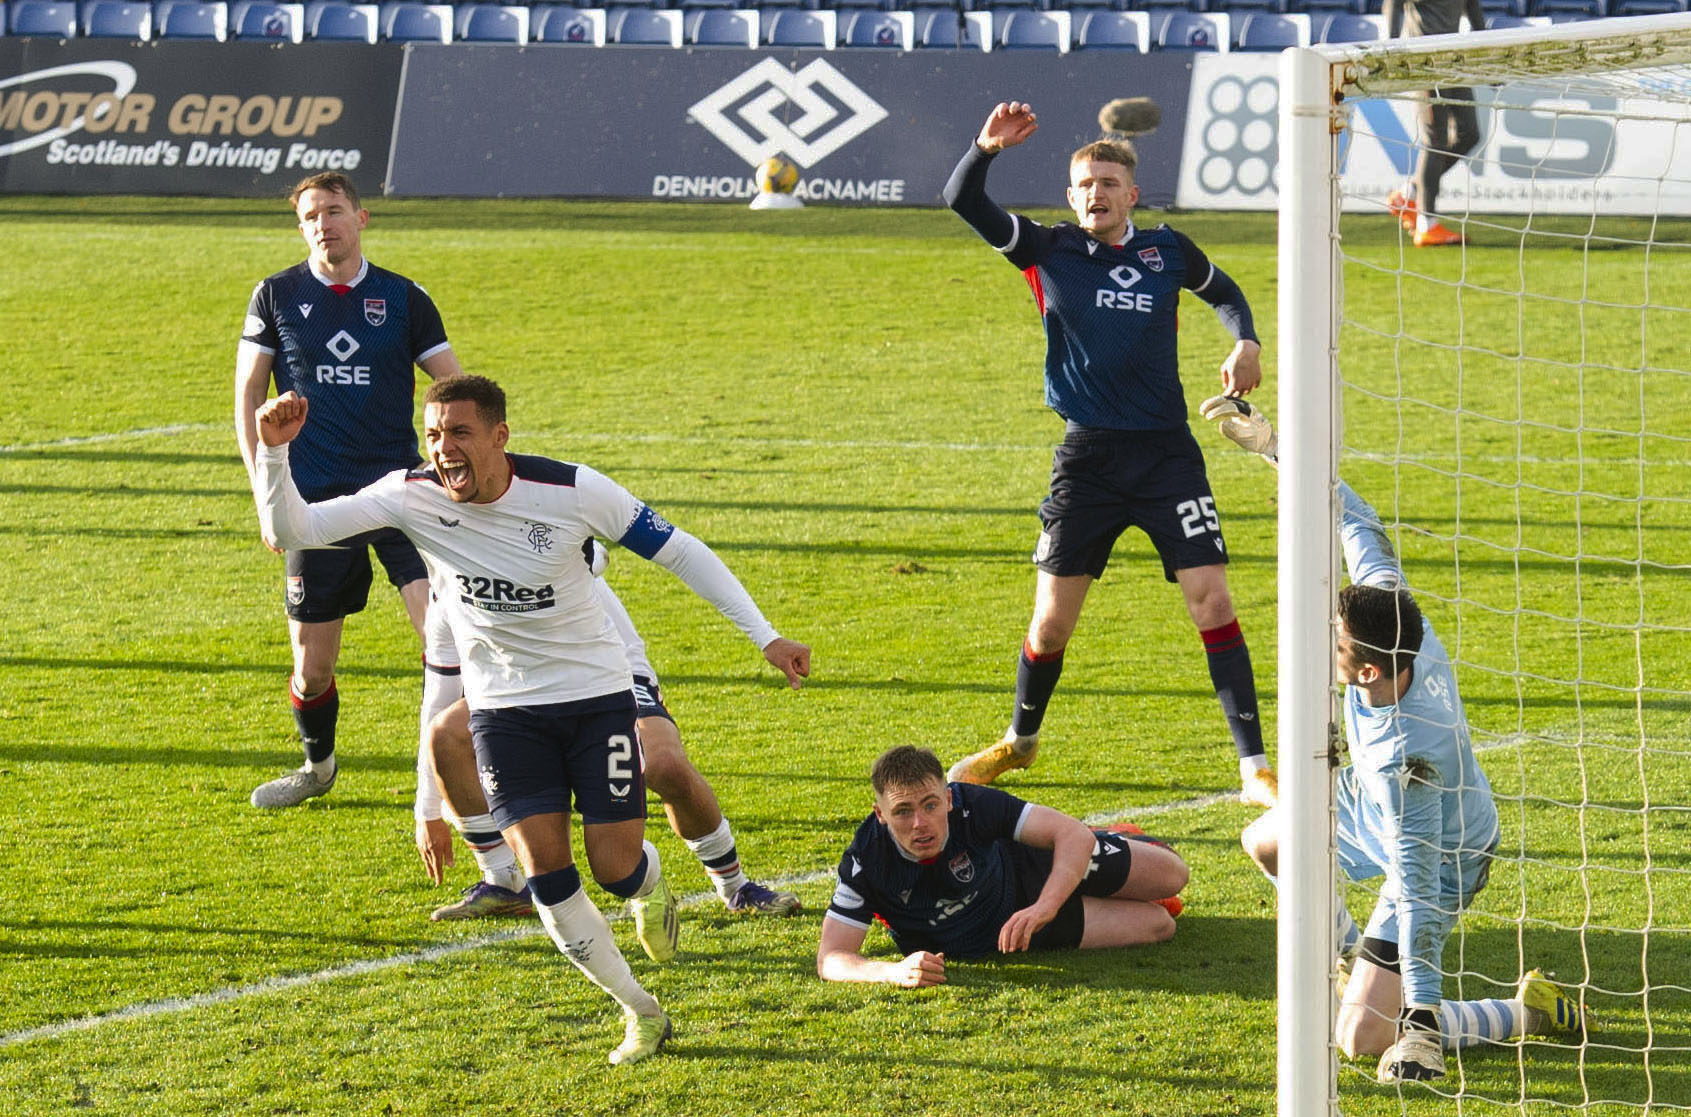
[866,127]
[102,116]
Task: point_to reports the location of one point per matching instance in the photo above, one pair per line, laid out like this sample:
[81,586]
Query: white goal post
[1644,58]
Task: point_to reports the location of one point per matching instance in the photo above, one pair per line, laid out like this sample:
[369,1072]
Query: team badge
[540,538]
[962,868]
[1152,258]
[375,311]
[296,589]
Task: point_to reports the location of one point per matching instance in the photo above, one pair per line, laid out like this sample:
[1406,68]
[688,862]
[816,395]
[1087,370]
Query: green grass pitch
[846,405]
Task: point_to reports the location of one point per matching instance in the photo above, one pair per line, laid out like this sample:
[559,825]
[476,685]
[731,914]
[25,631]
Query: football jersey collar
[1127,236]
[363,270]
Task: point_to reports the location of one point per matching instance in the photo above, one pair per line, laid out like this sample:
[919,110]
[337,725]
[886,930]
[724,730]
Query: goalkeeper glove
[1244,424]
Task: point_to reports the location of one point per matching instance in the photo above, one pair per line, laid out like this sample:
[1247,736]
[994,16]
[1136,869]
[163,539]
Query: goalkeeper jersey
[1423,799]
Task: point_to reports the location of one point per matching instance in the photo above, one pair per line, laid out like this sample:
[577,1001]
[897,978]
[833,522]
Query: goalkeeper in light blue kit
[1413,807]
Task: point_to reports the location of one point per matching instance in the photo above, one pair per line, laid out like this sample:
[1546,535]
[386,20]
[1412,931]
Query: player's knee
[1260,842]
[313,679]
[1359,1032]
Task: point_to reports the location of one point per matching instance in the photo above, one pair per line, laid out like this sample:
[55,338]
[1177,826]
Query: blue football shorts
[331,583]
[1030,867]
[1104,482]
[579,756]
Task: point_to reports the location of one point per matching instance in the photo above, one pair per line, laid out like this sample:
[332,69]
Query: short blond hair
[1108,151]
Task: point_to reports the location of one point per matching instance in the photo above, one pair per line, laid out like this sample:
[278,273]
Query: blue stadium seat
[585,26]
[1503,7]
[1268,31]
[47,18]
[1157,7]
[645,27]
[880,29]
[117,19]
[1327,7]
[190,19]
[1193,31]
[1028,30]
[260,19]
[1115,31]
[792,27]
[938,28]
[347,23]
[416,23]
[1649,7]
[1347,27]
[1239,9]
[871,5]
[491,23]
[717,27]
[1078,6]
[1564,10]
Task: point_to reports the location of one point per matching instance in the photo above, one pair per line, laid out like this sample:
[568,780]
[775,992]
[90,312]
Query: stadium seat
[1079,6]
[699,5]
[1564,10]
[1193,31]
[491,23]
[716,27]
[1348,27]
[1157,7]
[1268,31]
[1115,31]
[403,22]
[1649,7]
[644,27]
[938,28]
[116,19]
[585,26]
[880,29]
[1327,7]
[260,19]
[792,27]
[345,23]
[190,19]
[1239,9]
[47,18]
[874,5]
[1025,30]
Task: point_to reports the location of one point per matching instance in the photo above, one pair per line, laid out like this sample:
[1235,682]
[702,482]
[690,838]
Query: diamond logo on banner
[805,115]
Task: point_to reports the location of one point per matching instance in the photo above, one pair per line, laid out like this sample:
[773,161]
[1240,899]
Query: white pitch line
[172,1005]
[656,438]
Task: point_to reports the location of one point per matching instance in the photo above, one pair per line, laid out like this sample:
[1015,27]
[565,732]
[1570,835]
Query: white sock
[1425,221]
[654,872]
[1464,1024]
[493,856]
[717,853]
[582,934]
[322,769]
[1249,765]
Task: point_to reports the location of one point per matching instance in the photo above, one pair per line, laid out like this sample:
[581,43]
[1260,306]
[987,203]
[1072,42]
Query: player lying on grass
[549,688]
[1109,294]
[1413,806]
[960,871]
[446,769]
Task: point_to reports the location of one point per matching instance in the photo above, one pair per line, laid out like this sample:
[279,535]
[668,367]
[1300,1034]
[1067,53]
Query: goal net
[1518,410]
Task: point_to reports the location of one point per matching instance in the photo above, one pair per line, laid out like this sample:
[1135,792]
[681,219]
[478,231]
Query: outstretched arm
[1369,556]
[839,957]
[283,515]
[1006,126]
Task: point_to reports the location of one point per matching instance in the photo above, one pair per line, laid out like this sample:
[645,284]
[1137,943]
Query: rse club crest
[375,311]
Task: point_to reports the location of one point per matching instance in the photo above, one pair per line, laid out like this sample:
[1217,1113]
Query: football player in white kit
[446,778]
[545,674]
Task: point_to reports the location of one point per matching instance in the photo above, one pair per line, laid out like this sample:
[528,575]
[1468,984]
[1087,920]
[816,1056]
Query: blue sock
[1235,686]
[556,886]
[1036,678]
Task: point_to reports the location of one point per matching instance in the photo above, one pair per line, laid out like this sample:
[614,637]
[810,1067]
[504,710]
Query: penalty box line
[172,1005]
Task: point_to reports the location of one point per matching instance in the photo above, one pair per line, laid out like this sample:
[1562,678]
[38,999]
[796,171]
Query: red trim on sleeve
[1032,276]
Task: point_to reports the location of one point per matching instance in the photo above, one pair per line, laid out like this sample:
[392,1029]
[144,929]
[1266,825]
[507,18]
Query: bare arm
[1070,843]
[441,366]
[839,957]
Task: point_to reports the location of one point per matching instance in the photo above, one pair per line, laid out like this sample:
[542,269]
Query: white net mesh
[1518,409]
